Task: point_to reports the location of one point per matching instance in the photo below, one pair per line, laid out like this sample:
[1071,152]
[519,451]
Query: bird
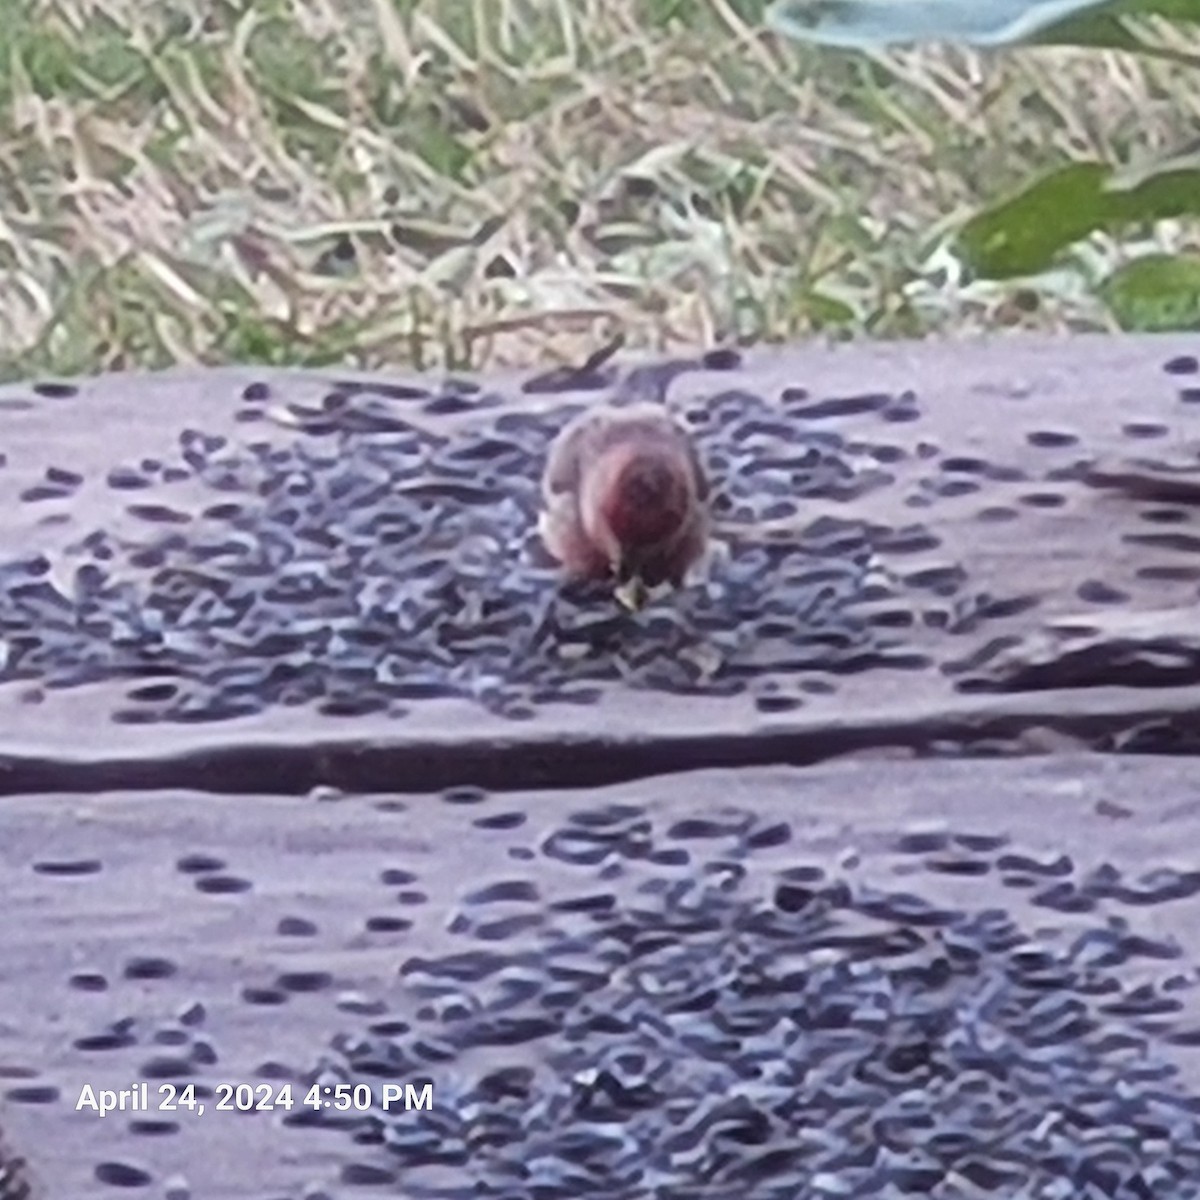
[625,498]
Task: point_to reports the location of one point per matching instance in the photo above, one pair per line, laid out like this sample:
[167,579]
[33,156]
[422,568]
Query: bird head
[643,502]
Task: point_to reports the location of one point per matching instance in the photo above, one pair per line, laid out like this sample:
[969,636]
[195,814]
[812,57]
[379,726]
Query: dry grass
[475,182]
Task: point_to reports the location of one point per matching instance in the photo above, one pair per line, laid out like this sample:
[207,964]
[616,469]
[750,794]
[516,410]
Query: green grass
[503,182]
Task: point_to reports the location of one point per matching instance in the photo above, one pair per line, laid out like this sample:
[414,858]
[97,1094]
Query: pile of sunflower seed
[357,561]
[710,1030]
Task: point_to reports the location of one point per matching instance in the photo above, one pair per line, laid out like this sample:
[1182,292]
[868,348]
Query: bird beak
[632,593]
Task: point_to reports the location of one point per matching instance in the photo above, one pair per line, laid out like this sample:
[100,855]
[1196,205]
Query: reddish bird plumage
[625,498]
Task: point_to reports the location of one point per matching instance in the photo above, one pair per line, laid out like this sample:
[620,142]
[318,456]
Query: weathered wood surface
[1007,532]
[987,493]
[134,895]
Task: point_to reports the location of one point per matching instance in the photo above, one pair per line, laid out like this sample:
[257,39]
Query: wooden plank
[159,923]
[898,523]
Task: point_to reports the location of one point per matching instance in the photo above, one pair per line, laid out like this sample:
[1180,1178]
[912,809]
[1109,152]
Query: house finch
[626,499]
